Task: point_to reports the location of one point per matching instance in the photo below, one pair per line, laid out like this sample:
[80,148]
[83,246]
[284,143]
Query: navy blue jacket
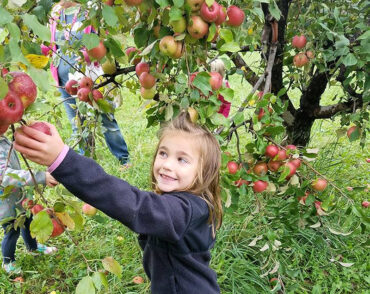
[174,233]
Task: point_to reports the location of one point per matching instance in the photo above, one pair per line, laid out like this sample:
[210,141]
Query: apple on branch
[168,45]
[232,167]
[130,52]
[58,228]
[24,87]
[216,80]
[299,41]
[11,109]
[235,15]
[71,87]
[133,2]
[221,15]
[178,25]
[194,5]
[98,52]
[141,67]
[147,80]
[85,82]
[209,13]
[83,94]
[148,93]
[197,27]
[300,60]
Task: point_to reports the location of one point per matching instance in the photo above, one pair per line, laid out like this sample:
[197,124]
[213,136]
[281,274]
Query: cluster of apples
[22,92]
[302,58]
[83,89]
[146,79]
[58,227]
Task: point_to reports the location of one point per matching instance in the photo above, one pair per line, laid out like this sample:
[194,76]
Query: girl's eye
[183,160]
[162,154]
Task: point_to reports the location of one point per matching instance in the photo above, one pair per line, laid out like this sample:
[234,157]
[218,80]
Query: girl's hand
[50,181]
[37,146]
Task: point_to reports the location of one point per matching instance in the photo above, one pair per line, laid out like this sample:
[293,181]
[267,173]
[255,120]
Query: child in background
[218,66]
[176,223]
[8,205]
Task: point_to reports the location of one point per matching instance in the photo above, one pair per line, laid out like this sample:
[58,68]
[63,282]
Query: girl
[176,224]
[8,204]
[219,66]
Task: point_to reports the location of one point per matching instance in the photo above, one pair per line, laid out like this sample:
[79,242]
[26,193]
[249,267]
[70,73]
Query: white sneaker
[41,248]
[11,268]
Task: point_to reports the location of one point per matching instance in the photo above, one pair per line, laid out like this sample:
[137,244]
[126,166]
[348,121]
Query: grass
[304,254]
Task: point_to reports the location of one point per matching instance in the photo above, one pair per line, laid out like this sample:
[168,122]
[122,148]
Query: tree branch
[330,110]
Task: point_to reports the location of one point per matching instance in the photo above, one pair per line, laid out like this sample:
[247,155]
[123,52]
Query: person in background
[11,175]
[176,223]
[218,66]
[71,19]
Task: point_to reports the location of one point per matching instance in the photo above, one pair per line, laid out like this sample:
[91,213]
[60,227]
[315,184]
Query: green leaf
[14,31]
[342,42]
[211,32]
[5,17]
[239,118]
[99,280]
[162,3]
[218,119]
[39,107]
[85,286]
[41,227]
[168,112]
[105,106]
[210,2]
[228,93]
[16,53]
[284,174]
[354,135]
[175,13]
[3,88]
[230,47]
[38,29]
[141,36]
[226,35]
[109,15]
[114,47]
[201,82]
[274,10]
[112,266]
[178,3]
[90,40]
[40,77]
[349,60]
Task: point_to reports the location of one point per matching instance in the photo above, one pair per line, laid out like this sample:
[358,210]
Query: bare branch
[330,110]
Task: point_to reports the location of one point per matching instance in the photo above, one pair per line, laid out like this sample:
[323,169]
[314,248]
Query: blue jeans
[9,242]
[113,136]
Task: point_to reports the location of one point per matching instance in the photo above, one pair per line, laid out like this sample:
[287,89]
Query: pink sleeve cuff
[59,159]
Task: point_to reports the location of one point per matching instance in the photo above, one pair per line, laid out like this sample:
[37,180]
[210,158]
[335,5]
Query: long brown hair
[206,182]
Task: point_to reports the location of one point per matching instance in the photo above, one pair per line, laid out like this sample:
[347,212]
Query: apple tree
[297,46]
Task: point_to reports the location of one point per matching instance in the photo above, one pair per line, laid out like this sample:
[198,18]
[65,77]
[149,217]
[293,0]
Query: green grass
[304,254]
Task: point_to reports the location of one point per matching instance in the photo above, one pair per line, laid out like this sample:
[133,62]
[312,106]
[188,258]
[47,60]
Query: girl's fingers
[27,142]
[35,134]
[27,152]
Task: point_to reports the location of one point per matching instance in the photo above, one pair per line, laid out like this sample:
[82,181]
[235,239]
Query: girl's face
[176,163]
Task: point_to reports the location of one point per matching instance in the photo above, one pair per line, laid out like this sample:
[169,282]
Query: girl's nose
[168,164]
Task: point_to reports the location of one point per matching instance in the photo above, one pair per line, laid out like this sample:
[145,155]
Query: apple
[365,204]
[168,45]
[291,147]
[178,52]
[58,228]
[133,2]
[241,182]
[300,60]
[96,95]
[299,41]
[109,2]
[71,87]
[216,80]
[4,71]
[3,129]
[130,52]
[85,82]
[147,80]
[89,210]
[141,67]
[83,94]
[193,114]
[27,203]
[192,77]
[233,167]
[260,95]
[210,13]
[41,127]
[97,52]
[138,280]
[236,16]
[274,165]
[296,162]
[179,25]
[317,205]
[260,168]
[368,160]
[319,184]
[259,186]
[310,54]
[281,155]
[24,87]
[351,130]
[109,67]
[36,209]
[261,114]
[197,28]
[148,93]
[271,151]
[221,15]
[292,169]
[195,5]
[11,109]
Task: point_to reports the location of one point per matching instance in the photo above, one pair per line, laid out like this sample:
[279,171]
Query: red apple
[4,71]
[71,87]
[133,2]
[300,60]
[236,16]
[233,167]
[241,182]
[168,45]
[97,52]
[3,129]
[89,210]
[296,162]
[11,109]
[109,2]
[27,203]
[351,130]
[85,82]
[291,147]
[210,13]
[192,77]
[368,160]
[147,80]
[365,204]
[292,169]
[271,151]
[36,209]
[259,186]
[261,114]
[197,28]
[221,15]
[216,80]
[195,5]
[281,155]
[319,184]
[148,93]
[274,165]
[58,229]
[141,67]
[310,54]
[23,86]
[130,52]
[83,94]
[260,168]
[299,41]
[41,127]
[96,95]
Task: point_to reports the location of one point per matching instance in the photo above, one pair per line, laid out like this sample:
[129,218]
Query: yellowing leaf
[66,220]
[38,61]
[111,265]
